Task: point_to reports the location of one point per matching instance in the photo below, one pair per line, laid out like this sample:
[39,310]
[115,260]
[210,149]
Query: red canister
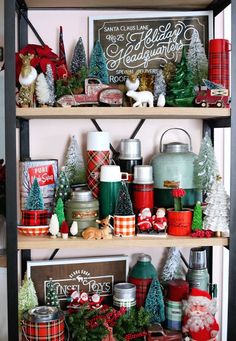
[143,191]
[219,61]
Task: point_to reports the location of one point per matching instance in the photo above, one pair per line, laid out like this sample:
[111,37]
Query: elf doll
[199,323]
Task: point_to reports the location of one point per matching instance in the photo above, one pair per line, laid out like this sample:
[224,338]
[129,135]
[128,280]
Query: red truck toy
[213,95]
[95,92]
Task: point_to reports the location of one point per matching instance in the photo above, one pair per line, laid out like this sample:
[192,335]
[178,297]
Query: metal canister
[43,323]
[143,195]
[83,208]
[124,295]
[197,275]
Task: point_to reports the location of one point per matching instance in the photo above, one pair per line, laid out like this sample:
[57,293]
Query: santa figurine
[144,223]
[199,323]
[74,299]
[159,221]
[95,301]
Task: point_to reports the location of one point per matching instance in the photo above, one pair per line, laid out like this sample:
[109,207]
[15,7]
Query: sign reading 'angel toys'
[146,42]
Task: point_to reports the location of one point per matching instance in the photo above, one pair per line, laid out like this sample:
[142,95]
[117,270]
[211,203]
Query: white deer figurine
[27,80]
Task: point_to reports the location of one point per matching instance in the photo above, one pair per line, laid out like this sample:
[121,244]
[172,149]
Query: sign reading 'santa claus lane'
[147,43]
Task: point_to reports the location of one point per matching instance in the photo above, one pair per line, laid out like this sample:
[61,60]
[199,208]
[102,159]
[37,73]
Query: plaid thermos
[98,154]
[219,61]
[142,275]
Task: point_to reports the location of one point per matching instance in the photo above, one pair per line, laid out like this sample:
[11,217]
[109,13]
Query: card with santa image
[152,225]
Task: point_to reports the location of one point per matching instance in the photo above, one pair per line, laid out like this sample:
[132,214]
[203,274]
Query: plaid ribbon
[95,159]
[34,217]
[43,331]
[124,226]
[219,68]
[142,287]
[62,54]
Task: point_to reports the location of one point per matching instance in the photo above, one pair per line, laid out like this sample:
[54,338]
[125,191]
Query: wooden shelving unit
[122,112]
[45,242]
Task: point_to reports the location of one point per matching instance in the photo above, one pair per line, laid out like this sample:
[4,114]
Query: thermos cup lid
[82,194]
[125,290]
[143,257]
[110,173]
[130,149]
[143,174]
[98,140]
[42,314]
[197,258]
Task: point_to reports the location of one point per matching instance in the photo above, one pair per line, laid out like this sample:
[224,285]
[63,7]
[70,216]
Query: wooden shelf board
[3,259]
[121,112]
[137,4]
[45,242]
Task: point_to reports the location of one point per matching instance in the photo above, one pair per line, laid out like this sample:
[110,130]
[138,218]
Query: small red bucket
[37,326]
[34,217]
[179,222]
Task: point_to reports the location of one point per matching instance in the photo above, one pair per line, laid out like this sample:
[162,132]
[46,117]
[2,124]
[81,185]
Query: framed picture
[147,42]
[92,275]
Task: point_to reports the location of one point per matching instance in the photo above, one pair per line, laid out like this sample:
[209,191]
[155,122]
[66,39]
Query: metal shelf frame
[10,138]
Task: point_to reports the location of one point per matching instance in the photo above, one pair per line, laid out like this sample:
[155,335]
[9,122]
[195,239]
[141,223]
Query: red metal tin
[143,197]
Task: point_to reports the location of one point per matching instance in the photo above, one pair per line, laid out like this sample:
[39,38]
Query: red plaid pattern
[43,331]
[95,159]
[124,226]
[34,217]
[33,230]
[142,287]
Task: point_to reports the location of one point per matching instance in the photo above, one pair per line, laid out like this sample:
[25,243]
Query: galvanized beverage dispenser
[174,167]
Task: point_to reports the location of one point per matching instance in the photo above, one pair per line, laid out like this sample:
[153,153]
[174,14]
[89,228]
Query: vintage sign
[92,275]
[146,43]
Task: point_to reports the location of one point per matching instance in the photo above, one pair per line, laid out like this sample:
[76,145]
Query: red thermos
[219,61]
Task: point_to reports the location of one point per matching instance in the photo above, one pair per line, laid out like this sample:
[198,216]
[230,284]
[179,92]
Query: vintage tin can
[124,295]
[42,324]
[83,208]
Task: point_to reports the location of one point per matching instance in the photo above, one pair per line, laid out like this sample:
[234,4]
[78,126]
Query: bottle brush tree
[59,210]
[154,303]
[197,217]
[35,198]
[98,66]
[124,205]
[63,186]
[42,90]
[51,84]
[51,295]
[78,61]
[173,268]
[27,297]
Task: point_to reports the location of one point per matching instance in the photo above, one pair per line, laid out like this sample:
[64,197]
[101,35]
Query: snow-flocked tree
[159,84]
[173,268]
[54,225]
[59,210]
[97,65]
[197,217]
[205,165]
[124,205]
[74,163]
[42,90]
[51,295]
[74,229]
[27,298]
[154,303]
[79,57]
[217,211]
[51,85]
[63,186]
[197,60]
[35,198]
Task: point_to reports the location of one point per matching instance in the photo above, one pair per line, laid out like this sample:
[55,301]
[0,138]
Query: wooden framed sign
[92,275]
[147,42]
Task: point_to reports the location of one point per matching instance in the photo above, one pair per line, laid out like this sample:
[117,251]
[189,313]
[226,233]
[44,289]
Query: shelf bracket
[53,254]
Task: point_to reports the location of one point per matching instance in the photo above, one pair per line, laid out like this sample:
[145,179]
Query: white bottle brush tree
[54,225]
[51,85]
[159,85]
[197,60]
[42,90]
[27,298]
[173,268]
[74,164]
[217,212]
[205,165]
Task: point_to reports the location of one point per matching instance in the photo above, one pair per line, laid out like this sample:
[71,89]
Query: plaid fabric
[124,226]
[95,159]
[43,331]
[219,68]
[142,287]
[34,217]
[33,230]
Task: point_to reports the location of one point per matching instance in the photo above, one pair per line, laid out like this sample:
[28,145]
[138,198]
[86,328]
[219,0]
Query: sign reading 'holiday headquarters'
[147,43]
